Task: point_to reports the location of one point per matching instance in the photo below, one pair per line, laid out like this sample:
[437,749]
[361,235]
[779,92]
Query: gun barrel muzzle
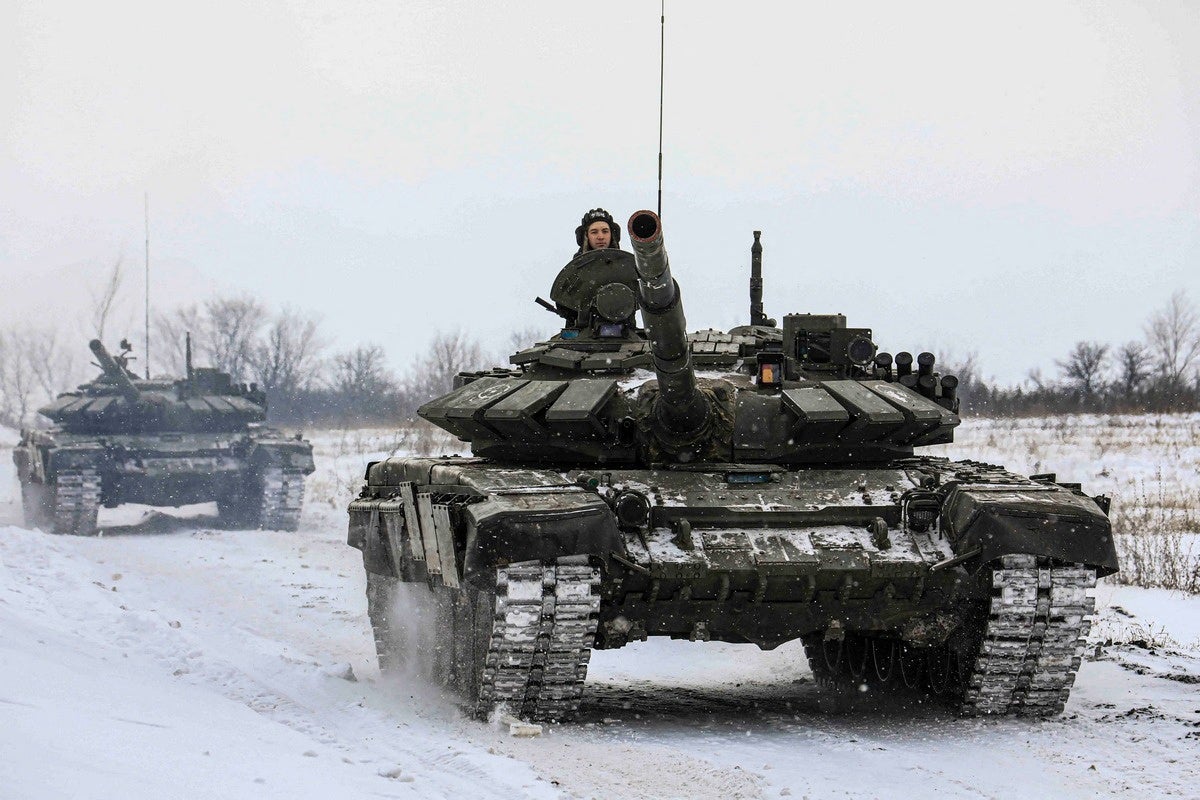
[682,407]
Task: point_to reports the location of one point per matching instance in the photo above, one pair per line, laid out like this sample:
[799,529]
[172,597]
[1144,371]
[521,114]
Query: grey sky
[1005,179]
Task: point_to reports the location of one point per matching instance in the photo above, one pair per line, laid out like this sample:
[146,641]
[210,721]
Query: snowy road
[174,660]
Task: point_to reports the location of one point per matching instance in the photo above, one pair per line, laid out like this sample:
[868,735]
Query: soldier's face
[598,235]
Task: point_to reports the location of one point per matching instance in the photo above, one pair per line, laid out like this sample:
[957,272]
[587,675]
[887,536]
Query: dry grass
[343,455]
[1156,529]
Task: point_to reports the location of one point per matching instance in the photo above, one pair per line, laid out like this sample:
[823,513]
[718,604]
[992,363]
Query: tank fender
[542,526]
[1046,521]
[73,457]
[28,467]
[364,535]
[287,454]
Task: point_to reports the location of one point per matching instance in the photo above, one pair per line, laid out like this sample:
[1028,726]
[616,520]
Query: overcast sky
[1005,180]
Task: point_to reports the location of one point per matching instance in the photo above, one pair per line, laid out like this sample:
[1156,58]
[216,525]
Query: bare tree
[1174,336]
[1134,363]
[522,338]
[54,366]
[361,380]
[231,332]
[286,360]
[33,369]
[1084,368]
[16,381]
[447,355]
[1035,378]
[170,335]
[104,298]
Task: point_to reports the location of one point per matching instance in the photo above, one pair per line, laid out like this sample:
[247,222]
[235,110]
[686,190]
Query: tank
[760,485]
[119,439]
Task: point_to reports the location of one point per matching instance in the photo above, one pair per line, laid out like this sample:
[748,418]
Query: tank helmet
[598,215]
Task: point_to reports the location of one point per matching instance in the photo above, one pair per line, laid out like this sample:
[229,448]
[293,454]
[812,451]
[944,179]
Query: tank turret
[115,372]
[120,439]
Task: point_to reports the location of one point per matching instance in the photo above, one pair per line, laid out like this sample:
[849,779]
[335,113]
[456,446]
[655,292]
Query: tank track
[282,499]
[1020,660]
[76,502]
[1037,627]
[542,631]
[380,602]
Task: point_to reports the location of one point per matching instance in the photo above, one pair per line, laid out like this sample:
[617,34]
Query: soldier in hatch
[596,231]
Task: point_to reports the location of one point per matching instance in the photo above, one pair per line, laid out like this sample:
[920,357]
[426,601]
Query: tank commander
[596,231]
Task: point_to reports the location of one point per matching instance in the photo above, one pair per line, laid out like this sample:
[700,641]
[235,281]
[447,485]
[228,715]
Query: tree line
[1159,372]
[284,352]
[287,354]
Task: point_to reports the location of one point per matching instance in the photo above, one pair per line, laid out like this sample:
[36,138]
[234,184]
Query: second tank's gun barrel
[682,407]
[114,371]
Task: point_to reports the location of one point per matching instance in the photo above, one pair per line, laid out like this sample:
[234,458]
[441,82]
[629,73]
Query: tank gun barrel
[682,407]
[114,371]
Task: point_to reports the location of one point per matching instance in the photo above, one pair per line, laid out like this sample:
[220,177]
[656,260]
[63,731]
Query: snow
[171,659]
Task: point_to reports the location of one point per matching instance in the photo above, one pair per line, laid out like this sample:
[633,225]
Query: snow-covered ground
[169,658]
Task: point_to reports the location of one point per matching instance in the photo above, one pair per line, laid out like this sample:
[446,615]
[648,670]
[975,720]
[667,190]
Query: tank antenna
[757,316]
[756,284]
[146,352]
[662,42]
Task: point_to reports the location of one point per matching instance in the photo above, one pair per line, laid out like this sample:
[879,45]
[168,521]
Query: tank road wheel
[827,660]
[525,646]
[911,666]
[76,502]
[1025,659]
[282,496]
[940,667]
[885,661]
[37,502]
[271,500]
[237,511]
[857,652]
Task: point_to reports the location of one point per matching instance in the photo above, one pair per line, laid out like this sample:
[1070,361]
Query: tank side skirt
[429,541]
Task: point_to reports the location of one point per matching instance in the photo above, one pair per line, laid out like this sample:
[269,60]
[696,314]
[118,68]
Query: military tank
[757,486]
[119,439]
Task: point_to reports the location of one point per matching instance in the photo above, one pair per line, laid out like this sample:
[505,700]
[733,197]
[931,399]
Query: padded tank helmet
[597,215]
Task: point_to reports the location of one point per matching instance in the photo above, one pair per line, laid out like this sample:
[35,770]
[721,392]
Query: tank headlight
[615,302]
[860,350]
[770,370]
[632,509]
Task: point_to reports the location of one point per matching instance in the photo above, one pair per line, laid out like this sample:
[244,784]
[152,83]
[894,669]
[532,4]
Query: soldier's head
[597,230]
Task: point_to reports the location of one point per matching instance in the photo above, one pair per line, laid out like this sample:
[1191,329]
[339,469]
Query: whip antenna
[147,350]
[662,41]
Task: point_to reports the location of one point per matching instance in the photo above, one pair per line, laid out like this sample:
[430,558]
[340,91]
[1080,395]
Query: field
[172,658]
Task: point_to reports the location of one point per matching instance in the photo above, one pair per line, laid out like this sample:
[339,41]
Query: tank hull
[255,478]
[925,559]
